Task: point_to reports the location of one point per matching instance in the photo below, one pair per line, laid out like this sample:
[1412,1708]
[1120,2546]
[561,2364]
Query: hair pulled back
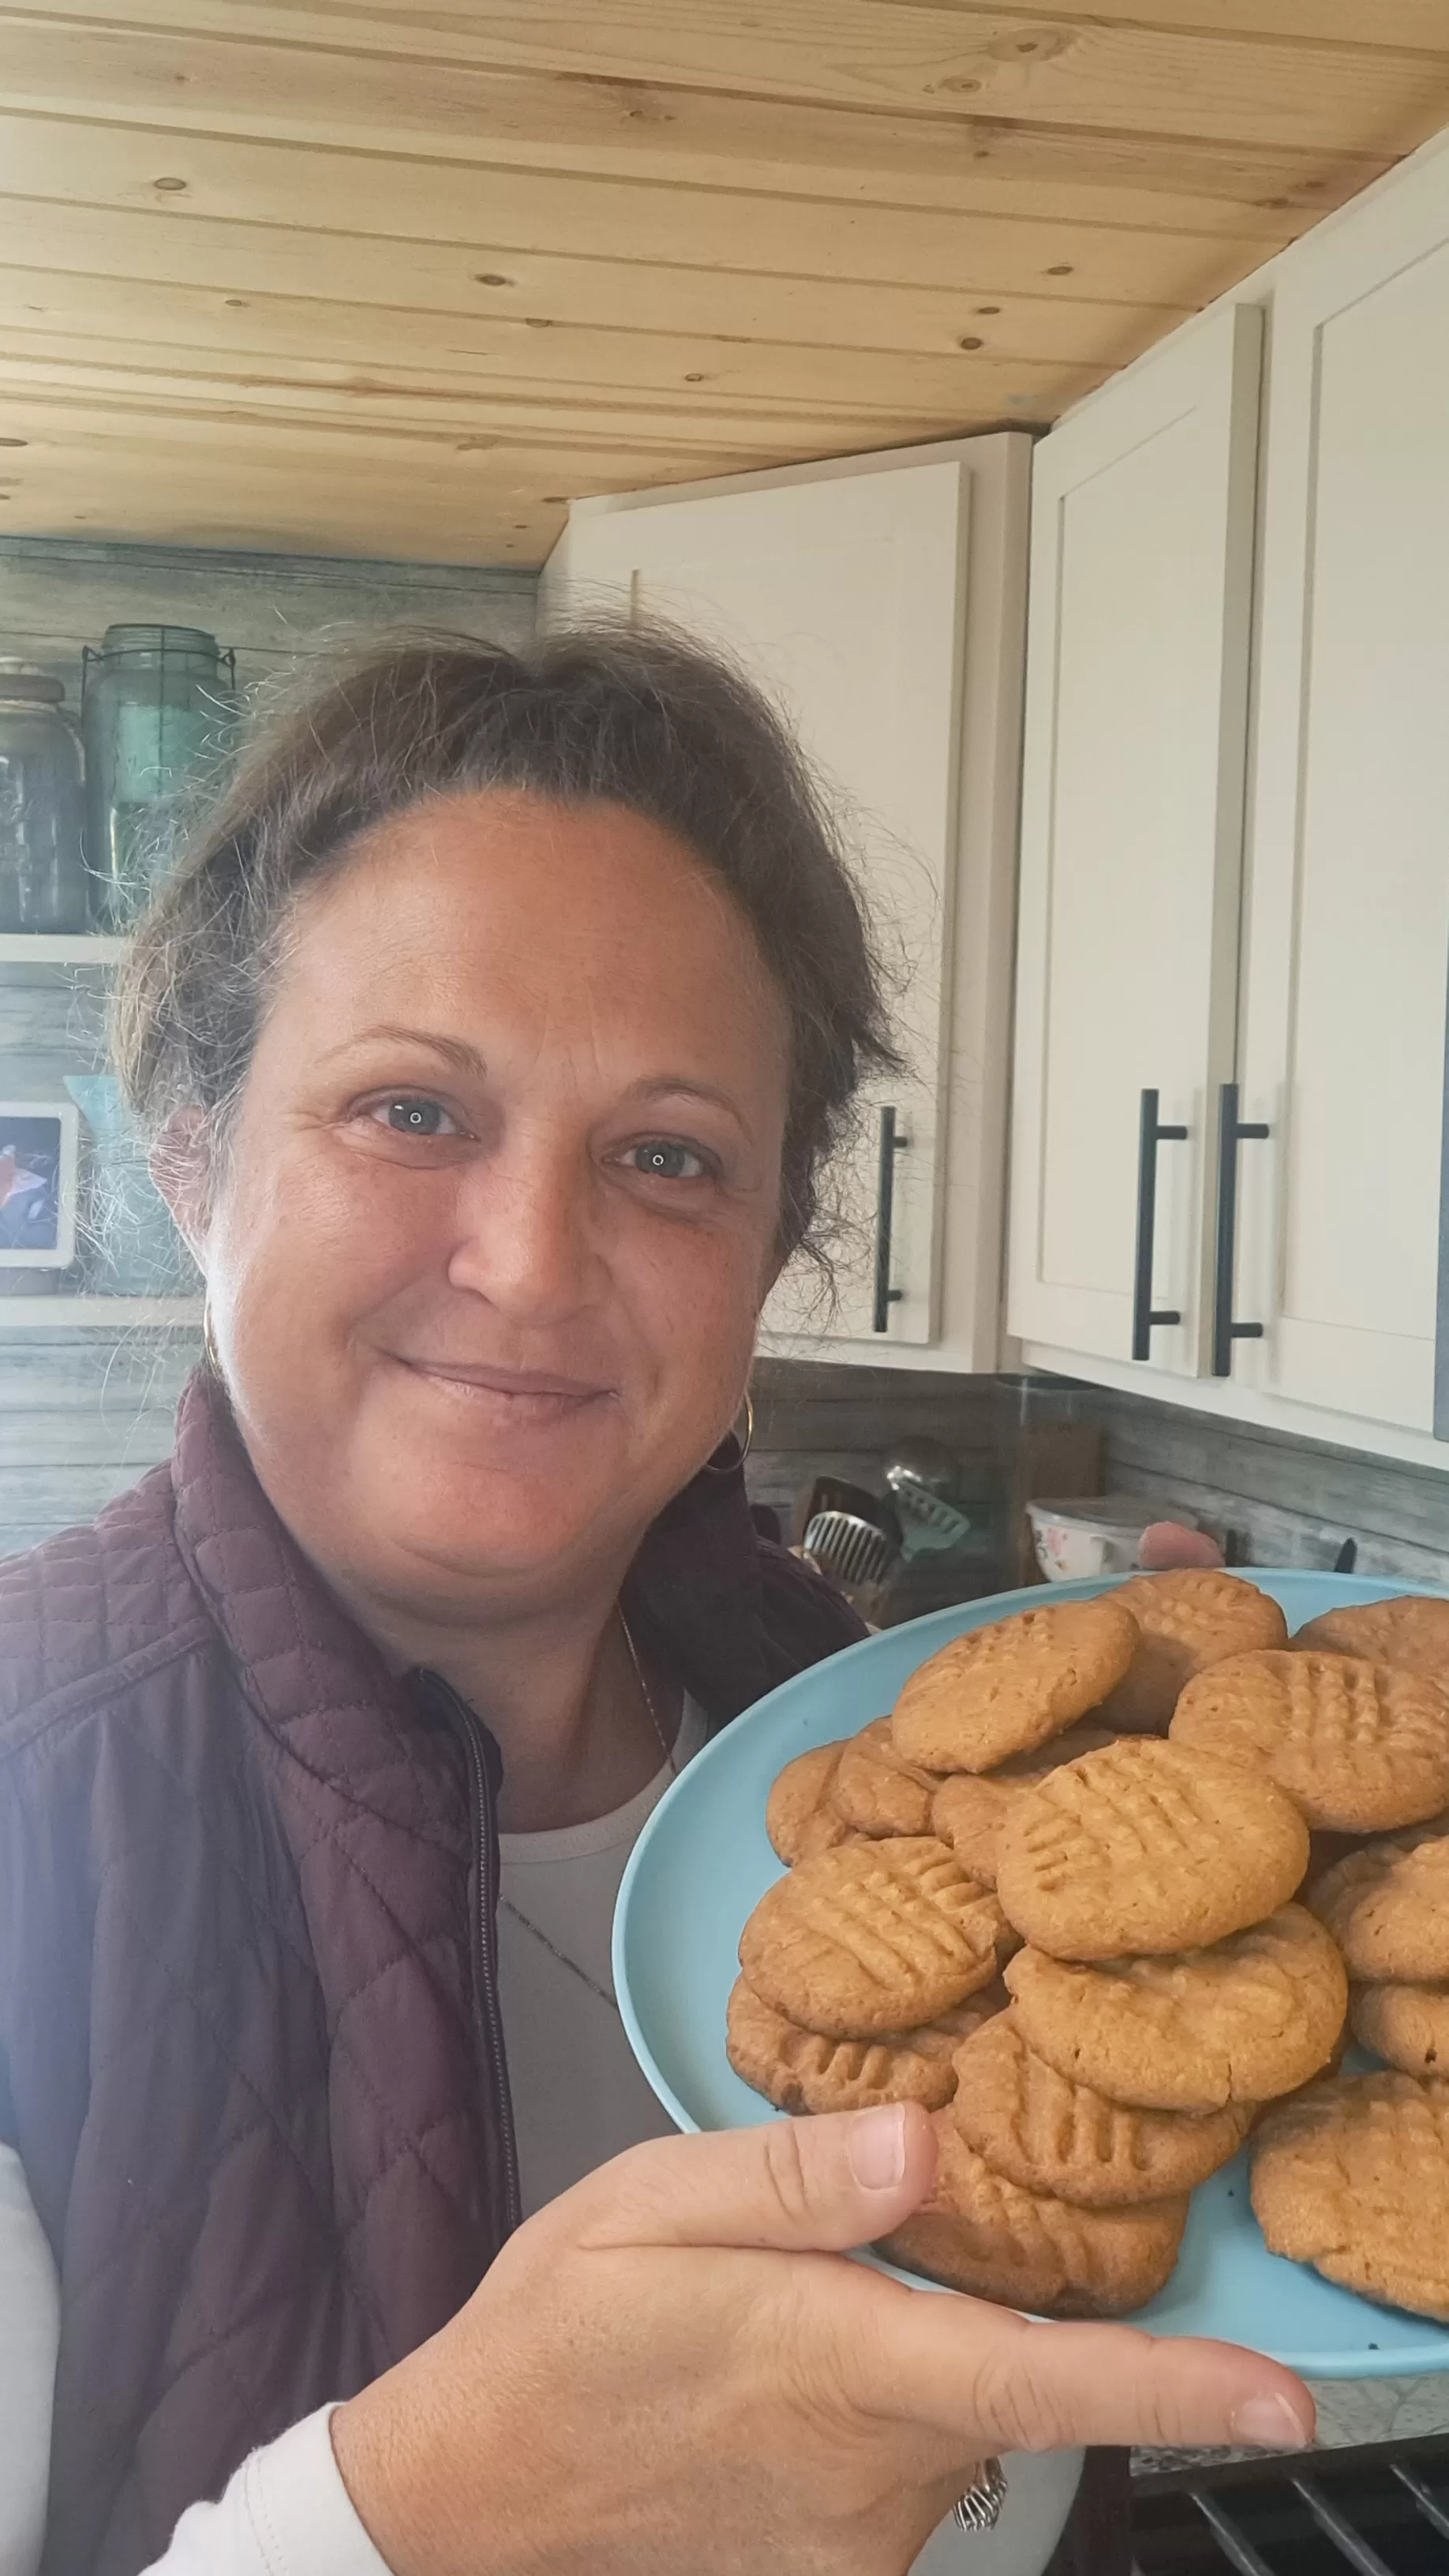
[603,714]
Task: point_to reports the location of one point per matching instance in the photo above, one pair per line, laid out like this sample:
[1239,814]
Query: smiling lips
[519,1395]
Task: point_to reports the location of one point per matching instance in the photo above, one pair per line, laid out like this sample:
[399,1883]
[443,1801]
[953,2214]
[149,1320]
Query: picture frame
[39,1158]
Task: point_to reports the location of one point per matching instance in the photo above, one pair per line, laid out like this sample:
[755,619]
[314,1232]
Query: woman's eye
[663,1160]
[414,1117]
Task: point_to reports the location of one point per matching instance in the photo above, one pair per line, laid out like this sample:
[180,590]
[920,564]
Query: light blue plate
[702,1862]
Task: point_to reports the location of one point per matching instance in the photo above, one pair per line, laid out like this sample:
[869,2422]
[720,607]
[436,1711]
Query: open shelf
[47,948]
[97,1314]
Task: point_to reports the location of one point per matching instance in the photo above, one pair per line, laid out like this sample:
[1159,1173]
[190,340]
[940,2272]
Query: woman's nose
[526,1236]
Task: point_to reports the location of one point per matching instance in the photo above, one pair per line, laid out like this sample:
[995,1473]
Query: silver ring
[979,2509]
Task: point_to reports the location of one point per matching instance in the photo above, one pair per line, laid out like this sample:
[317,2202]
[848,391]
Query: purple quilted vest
[249,2044]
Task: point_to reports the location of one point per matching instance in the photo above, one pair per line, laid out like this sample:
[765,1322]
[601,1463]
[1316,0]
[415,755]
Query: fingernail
[876,2147]
[1270,2423]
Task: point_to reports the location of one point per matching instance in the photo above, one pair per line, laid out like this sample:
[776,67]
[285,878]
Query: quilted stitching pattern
[236,2010]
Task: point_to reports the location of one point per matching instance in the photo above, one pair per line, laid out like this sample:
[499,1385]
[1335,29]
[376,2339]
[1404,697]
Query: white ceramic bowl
[1076,1541]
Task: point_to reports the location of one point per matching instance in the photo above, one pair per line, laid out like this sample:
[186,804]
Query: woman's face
[500,1203]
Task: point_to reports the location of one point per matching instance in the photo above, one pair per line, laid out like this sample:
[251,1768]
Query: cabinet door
[844,598]
[1132,797]
[1343,1037]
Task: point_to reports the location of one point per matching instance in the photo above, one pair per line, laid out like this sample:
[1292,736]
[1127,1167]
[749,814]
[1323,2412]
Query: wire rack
[1382,2511]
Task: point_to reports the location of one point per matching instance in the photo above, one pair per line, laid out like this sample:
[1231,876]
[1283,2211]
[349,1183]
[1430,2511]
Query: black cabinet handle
[891,1144]
[1145,1315]
[1232,1132]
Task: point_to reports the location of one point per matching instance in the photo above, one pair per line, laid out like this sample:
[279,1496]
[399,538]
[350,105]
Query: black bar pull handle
[1151,1133]
[1233,1131]
[891,1144]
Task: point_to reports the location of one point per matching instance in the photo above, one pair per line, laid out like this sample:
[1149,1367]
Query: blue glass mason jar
[157,707]
[42,873]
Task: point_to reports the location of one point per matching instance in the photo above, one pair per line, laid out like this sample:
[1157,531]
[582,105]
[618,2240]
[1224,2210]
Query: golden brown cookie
[1411,1633]
[1050,2135]
[1147,1846]
[1253,2017]
[1409,2025]
[980,2233]
[873,1938]
[1387,1907]
[1353,2177]
[1186,1622]
[970,1807]
[1359,1747]
[1006,1688]
[943,2036]
[798,2070]
[799,1817]
[876,1790]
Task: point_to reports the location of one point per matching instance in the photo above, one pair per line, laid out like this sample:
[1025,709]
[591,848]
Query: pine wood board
[397,277]
[633,129]
[586,357]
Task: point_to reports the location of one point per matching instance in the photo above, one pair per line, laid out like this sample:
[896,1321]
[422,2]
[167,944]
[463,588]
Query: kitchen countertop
[1350,2412]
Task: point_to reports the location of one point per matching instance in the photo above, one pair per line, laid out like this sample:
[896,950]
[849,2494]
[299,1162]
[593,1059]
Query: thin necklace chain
[506,1903]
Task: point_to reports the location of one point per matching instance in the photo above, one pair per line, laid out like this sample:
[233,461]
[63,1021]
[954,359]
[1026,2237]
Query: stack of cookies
[1074,1943]
[1165,1989]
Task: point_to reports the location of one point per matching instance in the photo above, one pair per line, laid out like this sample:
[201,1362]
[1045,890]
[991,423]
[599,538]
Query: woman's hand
[671,2369]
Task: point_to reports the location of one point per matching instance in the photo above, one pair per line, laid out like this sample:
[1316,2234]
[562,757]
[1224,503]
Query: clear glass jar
[158,704]
[42,870]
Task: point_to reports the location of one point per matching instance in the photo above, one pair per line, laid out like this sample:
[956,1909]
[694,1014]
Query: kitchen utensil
[1074,1539]
[42,868]
[703,1861]
[930,1523]
[928,1465]
[854,1551]
[156,704]
[837,1494]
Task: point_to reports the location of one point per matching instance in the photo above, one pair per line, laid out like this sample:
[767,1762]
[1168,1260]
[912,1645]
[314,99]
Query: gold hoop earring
[710,1470]
[208,1340]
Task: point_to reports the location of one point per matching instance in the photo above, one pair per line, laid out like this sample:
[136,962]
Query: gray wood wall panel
[83,1414]
[1289,1502]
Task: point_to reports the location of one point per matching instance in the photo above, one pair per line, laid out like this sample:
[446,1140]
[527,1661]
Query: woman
[493,1037]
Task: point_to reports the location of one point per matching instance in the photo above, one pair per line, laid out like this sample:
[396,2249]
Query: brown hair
[645,720]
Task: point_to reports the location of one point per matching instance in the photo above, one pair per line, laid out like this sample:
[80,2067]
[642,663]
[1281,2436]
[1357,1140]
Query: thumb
[820,2185]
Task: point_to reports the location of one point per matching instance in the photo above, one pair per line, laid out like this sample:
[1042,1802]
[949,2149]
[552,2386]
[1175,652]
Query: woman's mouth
[522,1397]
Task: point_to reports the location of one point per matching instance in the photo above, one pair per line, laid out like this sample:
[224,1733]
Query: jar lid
[25,684]
[160,639]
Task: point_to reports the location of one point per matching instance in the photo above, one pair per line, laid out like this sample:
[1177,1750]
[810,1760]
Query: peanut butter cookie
[1358,1747]
[873,1938]
[799,1817]
[1353,2177]
[1186,1622]
[970,1807]
[980,2233]
[798,2070]
[1147,1846]
[1254,2016]
[1411,1632]
[1409,2025]
[1052,2135]
[1009,1687]
[1387,1907]
[876,1790]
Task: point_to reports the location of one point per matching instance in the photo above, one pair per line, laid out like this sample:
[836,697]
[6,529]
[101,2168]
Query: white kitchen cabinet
[1342,1048]
[1308,1257]
[878,600]
[1136,714]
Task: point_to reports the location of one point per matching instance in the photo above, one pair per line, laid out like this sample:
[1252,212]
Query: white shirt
[578,2098]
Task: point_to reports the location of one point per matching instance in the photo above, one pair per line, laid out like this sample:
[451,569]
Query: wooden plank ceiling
[361,276]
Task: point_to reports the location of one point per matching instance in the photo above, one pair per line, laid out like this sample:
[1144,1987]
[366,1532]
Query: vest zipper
[483,1824]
